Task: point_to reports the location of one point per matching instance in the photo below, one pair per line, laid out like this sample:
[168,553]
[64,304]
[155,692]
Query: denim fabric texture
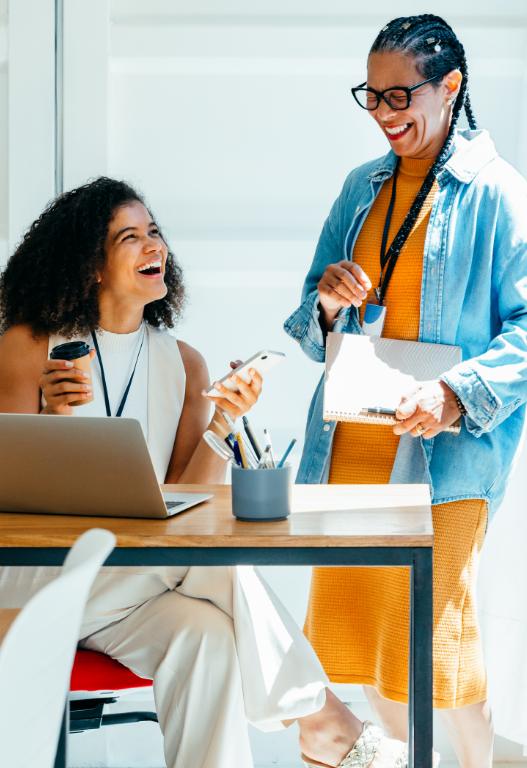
[473,294]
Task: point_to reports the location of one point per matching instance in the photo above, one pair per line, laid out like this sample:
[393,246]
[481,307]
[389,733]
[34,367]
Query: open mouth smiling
[150,269]
[397,131]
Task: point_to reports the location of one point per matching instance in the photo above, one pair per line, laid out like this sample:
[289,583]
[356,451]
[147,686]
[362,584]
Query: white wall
[27,154]
[238,123]
[236,120]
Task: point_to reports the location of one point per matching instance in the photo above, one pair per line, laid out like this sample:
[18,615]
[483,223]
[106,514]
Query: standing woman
[453,214]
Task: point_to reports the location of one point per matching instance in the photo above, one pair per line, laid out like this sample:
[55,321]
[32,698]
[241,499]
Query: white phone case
[262,362]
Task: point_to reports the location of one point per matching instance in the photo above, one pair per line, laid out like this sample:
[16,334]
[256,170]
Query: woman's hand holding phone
[236,404]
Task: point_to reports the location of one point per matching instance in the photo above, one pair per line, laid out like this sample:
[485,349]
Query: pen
[237,454]
[242,450]
[270,446]
[250,434]
[235,433]
[286,454]
[230,422]
[263,459]
[383,411]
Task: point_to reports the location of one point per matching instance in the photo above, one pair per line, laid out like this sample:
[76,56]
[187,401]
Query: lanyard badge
[374,317]
[376,306]
[103,377]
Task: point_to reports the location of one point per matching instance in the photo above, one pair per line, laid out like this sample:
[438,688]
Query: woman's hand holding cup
[236,404]
[62,384]
[342,285]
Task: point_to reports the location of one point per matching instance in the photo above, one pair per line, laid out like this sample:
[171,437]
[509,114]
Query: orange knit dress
[357,618]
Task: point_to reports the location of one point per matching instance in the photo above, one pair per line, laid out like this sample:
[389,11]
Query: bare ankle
[330,734]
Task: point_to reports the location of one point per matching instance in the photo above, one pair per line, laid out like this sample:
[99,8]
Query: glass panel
[366,99]
[398,99]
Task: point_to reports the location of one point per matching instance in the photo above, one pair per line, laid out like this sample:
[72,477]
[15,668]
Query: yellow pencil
[242,450]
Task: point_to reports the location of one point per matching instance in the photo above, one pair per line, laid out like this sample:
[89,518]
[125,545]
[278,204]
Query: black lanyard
[105,388]
[380,292]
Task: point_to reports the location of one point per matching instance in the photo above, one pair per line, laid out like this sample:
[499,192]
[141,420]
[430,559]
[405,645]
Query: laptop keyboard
[172,504]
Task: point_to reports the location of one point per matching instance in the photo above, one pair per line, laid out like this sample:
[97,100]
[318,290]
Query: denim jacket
[473,294]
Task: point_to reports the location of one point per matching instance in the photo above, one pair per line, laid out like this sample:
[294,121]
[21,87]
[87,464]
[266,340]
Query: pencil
[242,450]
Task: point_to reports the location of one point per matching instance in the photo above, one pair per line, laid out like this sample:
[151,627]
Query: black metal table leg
[61,760]
[420,740]
[411,676]
[418,559]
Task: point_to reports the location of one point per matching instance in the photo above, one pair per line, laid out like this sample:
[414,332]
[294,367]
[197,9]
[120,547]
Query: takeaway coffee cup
[79,354]
[262,495]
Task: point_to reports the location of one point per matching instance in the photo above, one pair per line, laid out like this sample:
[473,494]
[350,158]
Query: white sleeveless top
[156,399]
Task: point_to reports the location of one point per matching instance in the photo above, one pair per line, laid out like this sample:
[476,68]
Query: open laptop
[66,465]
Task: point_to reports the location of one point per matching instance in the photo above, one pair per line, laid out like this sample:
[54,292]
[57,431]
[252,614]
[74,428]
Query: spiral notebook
[366,372]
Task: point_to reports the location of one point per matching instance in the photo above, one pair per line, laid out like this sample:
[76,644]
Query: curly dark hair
[50,281]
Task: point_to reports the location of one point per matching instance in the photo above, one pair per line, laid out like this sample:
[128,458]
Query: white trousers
[221,650]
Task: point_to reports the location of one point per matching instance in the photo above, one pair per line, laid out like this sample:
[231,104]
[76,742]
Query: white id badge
[374,317]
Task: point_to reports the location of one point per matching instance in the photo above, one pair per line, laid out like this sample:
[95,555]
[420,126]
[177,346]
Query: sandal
[365,749]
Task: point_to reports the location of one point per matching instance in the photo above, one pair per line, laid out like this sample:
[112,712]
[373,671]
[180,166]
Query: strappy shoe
[365,749]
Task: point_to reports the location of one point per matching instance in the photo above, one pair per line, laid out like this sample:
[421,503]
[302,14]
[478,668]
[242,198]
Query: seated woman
[95,266]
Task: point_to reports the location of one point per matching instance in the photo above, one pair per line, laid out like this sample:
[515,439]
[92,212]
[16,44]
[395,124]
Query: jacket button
[326,427]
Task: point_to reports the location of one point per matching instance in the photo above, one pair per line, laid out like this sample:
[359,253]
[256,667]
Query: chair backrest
[37,654]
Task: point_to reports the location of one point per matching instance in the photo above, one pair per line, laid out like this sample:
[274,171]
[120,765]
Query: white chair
[37,654]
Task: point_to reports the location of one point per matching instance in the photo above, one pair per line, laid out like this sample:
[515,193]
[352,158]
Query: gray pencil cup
[262,495]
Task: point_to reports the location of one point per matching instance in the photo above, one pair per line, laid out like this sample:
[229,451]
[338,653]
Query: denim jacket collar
[471,151]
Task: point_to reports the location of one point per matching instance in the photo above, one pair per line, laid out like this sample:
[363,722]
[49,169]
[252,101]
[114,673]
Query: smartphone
[261,362]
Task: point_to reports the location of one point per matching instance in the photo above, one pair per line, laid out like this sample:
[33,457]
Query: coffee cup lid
[70,351]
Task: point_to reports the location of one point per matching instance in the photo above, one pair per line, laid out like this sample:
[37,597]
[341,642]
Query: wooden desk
[7,617]
[345,525]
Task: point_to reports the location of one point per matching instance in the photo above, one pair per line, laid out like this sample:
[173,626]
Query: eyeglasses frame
[380,94]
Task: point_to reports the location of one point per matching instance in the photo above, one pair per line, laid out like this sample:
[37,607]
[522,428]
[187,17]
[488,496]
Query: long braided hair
[433,44]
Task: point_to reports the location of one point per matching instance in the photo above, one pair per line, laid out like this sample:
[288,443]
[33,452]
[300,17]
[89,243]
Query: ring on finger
[420,429]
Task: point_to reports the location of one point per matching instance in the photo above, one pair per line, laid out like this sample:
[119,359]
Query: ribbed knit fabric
[402,317]
[357,618]
[119,353]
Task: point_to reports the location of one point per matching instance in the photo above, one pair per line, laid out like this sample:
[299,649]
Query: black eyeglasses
[397,97]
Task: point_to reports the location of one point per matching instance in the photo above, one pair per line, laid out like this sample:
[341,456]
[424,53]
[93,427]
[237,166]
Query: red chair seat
[99,673]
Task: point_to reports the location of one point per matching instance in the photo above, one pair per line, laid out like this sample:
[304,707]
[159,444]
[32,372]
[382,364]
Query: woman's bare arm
[22,359]
[26,374]
[192,460]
